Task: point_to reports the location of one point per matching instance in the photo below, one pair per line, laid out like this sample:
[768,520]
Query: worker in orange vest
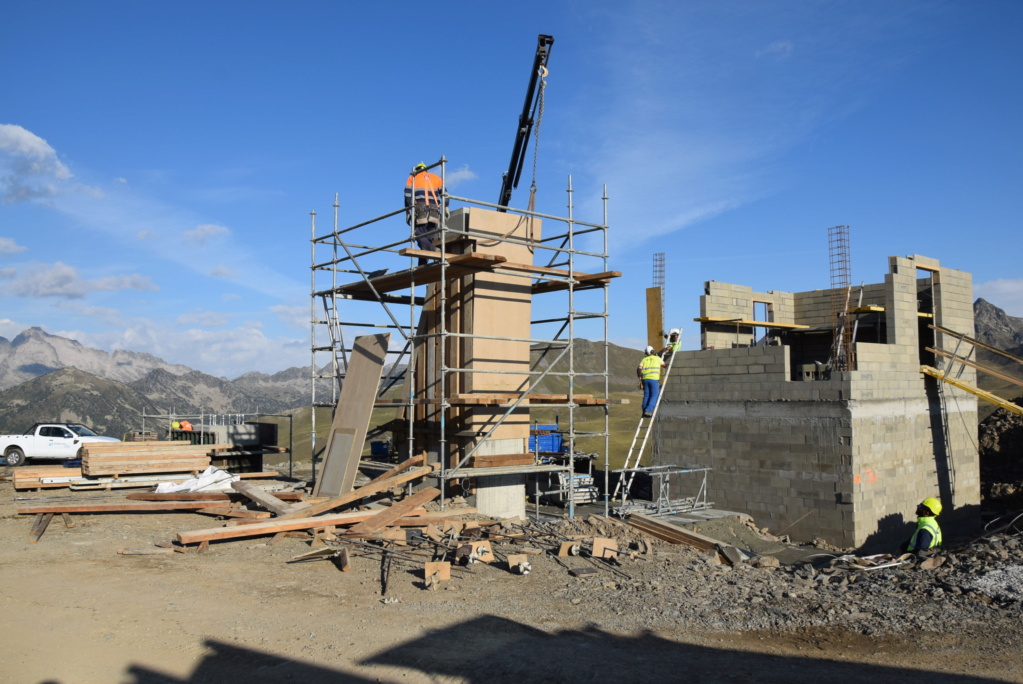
[423,193]
[185,425]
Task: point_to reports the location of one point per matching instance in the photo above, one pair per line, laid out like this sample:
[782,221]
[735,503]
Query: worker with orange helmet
[927,536]
[423,194]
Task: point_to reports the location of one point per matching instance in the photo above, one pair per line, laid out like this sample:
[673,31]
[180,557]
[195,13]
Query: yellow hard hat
[419,167]
[932,504]
[175,425]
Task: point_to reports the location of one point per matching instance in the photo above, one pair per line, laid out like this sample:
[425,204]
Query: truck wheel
[14,457]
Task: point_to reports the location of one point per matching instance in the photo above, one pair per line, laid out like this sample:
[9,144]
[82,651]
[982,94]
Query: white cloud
[9,246]
[780,49]
[204,232]
[61,280]
[226,352]
[696,127]
[459,175]
[29,167]
[205,319]
[8,273]
[10,329]
[1005,293]
[223,272]
[146,235]
[293,316]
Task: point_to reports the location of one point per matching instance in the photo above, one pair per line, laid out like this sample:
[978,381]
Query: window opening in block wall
[763,312]
[926,279]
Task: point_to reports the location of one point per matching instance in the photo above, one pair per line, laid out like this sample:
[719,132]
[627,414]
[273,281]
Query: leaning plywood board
[351,417]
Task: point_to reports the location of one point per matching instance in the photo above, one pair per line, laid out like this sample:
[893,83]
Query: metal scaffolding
[356,290]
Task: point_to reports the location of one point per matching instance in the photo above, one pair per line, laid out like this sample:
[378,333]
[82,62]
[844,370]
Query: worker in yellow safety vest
[649,372]
[672,344]
[927,536]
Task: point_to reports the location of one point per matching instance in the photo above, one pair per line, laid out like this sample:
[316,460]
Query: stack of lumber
[502,460]
[252,511]
[131,458]
[325,514]
[32,477]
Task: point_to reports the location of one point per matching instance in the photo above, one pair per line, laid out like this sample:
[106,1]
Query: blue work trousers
[650,391]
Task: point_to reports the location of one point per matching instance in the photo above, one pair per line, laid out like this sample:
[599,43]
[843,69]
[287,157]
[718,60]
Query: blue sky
[158,161]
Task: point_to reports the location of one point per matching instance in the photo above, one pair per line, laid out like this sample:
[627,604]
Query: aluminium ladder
[643,428]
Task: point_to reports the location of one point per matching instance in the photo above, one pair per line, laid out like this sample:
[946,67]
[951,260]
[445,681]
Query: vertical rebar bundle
[659,277]
[841,292]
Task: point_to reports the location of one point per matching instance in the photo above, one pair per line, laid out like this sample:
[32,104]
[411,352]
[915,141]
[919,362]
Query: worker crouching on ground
[649,372]
[927,536]
[423,192]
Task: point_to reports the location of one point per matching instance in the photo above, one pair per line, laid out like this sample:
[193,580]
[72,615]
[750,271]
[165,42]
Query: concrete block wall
[847,458]
[768,440]
[724,300]
[815,308]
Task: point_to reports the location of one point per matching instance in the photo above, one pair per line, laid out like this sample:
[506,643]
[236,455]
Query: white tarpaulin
[213,479]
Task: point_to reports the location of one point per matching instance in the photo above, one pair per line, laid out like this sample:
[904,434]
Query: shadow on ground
[492,649]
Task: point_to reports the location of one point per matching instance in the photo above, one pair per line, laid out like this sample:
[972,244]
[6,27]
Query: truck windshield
[82,431]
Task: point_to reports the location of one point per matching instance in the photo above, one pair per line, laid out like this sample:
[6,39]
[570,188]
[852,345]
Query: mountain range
[48,377]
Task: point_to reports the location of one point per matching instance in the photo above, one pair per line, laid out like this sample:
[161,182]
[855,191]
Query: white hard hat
[673,331]
[649,350]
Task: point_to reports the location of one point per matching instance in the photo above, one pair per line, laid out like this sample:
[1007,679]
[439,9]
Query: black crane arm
[511,177]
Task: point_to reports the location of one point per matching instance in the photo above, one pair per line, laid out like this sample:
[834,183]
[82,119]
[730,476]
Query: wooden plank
[111,448]
[971,364]
[975,342]
[654,317]
[39,526]
[398,510]
[352,414]
[672,533]
[228,512]
[400,468]
[128,469]
[502,460]
[132,507]
[263,498]
[207,496]
[271,527]
[975,391]
[750,324]
[423,275]
[585,281]
[374,487]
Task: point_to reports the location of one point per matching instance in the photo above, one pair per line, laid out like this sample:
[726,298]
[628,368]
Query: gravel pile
[675,585]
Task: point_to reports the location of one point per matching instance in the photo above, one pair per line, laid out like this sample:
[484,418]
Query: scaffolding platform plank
[583,281]
[750,324]
[501,470]
[458,265]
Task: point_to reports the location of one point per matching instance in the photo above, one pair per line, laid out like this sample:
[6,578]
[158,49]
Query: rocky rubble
[680,586]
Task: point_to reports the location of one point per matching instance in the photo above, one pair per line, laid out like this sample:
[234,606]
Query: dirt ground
[77,612]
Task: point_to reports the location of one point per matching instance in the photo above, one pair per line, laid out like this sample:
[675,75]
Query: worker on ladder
[649,372]
[423,192]
[673,343]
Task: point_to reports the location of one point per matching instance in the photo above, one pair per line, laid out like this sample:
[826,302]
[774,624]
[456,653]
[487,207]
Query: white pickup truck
[48,441]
